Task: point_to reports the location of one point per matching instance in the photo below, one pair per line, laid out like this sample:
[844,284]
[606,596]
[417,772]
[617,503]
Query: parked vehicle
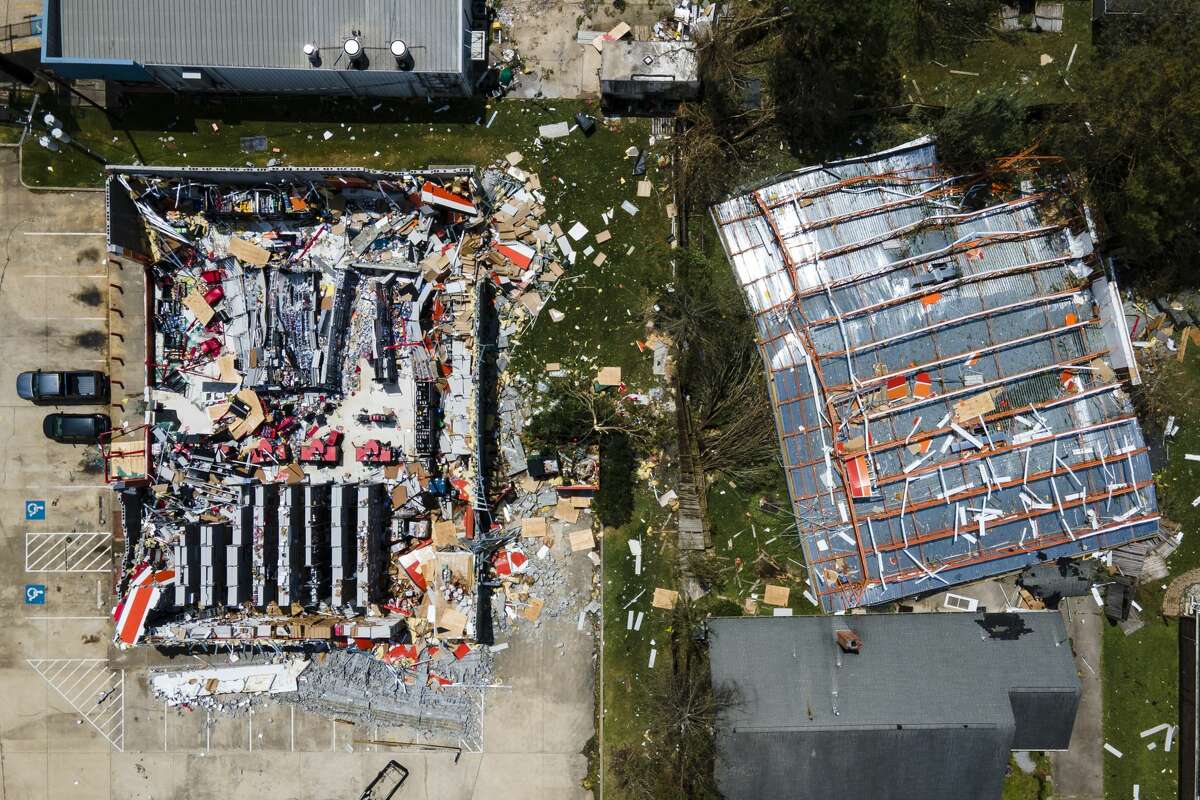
[63,388]
[76,428]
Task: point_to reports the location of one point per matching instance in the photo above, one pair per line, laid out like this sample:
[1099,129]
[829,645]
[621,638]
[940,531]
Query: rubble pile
[314,430]
[428,689]
[687,21]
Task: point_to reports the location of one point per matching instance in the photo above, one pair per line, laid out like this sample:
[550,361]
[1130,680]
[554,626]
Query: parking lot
[76,718]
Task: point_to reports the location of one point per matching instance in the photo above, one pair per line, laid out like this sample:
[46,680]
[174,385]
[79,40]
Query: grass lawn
[1010,62]
[1141,672]
[626,653]
[758,528]
[1021,786]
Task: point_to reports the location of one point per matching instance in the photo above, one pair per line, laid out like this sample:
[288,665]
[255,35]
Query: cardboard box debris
[665,598]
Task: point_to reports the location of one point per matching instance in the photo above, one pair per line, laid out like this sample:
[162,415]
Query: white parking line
[63,233]
[62,275]
[85,551]
[96,692]
[59,487]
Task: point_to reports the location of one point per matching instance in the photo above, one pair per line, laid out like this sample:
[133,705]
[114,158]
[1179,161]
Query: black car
[76,428]
[63,388]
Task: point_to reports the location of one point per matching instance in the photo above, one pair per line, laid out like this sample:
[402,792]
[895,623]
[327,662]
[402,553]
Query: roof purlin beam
[935,221]
[953,247]
[932,255]
[941,362]
[1061,365]
[1043,542]
[983,351]
[950,323]
[979,455]
[815,366]
[966,280]
[978,491]
[890,444]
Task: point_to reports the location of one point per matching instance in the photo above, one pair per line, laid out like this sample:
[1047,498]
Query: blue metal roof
[968,363]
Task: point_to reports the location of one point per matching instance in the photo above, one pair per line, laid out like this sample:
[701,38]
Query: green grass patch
[1009,62]
[626,653]
[1028,786]
[754,544]
[581,177]
[1141,672]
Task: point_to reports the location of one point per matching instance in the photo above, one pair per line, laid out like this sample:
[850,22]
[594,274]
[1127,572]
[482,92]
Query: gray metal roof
[886,306]
[261,33]
[929,708]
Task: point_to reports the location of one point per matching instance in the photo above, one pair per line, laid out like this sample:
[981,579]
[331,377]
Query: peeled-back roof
[948,379]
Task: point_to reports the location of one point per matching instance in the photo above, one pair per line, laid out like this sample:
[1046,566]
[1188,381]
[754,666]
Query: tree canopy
[1136,136]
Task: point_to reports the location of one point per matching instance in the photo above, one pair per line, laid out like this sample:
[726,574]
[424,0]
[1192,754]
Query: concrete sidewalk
[1078,773]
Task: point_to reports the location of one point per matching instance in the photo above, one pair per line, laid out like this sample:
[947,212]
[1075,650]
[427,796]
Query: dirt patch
[92,463]
[90,296]
[87,254]
[1173,600]
[91,340]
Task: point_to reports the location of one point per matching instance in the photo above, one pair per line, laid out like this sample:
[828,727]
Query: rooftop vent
[354,51]
[403,56]
[848,640]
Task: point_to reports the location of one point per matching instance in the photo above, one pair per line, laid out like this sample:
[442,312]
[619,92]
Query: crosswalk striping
[87,551]
[96,692]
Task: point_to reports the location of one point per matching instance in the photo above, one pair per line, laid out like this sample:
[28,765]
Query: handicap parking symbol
[35,594]
[35,510]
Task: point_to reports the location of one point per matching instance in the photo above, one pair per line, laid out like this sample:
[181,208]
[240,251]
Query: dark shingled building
[928,707]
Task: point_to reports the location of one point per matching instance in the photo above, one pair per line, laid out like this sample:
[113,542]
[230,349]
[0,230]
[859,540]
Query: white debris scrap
[180,688]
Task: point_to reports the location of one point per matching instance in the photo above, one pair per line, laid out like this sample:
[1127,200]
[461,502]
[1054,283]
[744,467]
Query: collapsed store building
[947,358]
[313,465]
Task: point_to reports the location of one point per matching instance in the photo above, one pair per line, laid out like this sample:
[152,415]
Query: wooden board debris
[195,303]
[566,512]
[608,376]
[973,407]
[665,598]
[582,540]
[248,252]
[776,595]
[532,611]
[535,528]
[452,623]
[445,533]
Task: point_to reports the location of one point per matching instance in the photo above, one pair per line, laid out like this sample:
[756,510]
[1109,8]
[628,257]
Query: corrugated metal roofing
[262,33]
[882,303]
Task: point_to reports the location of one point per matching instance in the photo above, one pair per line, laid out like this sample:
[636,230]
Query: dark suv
[65,388]
[76,428]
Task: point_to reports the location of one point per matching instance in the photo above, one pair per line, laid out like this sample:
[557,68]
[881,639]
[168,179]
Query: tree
[682,708]
[940,29]
[578,413]
[1136,135]
[831,65]
[720,371]
[986,127]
